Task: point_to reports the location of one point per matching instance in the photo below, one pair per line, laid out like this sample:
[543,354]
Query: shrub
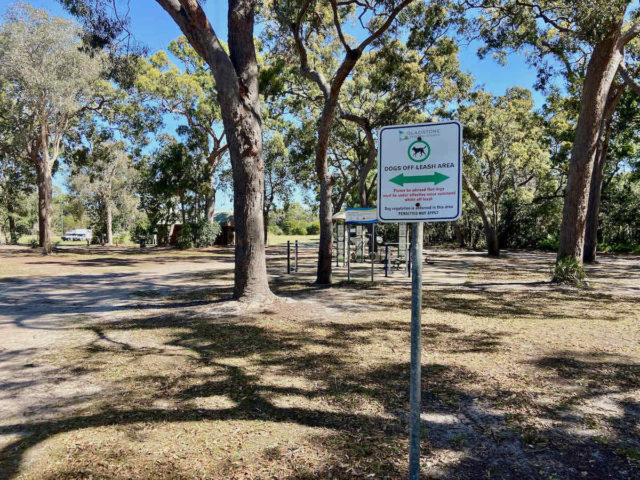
[617,247]
[185,236]
[549,243]
[206,233]
[34,243]
[313,228]
[299,230]
[294,227]
[568,271]
[275,230]
[140,230]
[120,238]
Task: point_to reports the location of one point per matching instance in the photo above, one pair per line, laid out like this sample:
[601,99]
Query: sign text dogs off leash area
[420,172]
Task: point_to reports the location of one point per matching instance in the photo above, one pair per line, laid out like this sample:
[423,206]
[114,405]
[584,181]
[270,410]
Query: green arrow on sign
[436,178]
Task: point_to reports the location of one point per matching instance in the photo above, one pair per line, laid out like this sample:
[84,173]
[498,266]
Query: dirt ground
[122,363]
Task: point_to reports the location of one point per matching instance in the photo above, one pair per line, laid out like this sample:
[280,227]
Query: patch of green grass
[630,453]
[279,240]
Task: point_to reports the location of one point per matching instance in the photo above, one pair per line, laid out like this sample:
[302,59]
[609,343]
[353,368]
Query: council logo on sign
[419,151]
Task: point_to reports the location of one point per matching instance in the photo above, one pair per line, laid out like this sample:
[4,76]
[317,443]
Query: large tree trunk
[13,234]
[45,204]
[236,77]
[109,225]
[323,275]
[597,176]
[459,234]
[490,233]
[593,210]
[324,270]
[210,206]
[268,202]
[601,71]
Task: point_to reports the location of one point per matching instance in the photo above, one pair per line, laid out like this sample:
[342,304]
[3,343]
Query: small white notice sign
[420,172]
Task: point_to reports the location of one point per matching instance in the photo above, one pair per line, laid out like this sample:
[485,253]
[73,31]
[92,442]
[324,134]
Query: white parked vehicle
[77,235]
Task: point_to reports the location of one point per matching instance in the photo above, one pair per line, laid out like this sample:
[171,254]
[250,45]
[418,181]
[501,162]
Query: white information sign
[420,172]
[361,215]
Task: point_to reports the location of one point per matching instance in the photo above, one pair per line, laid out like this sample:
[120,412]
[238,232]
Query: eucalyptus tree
[235,71]
[615,219]
[16,177]
[173,184]
[53,81]
[16,184]
[402,82]
[505,154]
[188,91]
[103,178]
[304,26]
[584,35]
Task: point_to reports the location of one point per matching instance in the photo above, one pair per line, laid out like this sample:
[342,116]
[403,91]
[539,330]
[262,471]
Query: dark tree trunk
[323,274]
[459,234]
[13,234]
[597,176]
[236,77]
[45,204]
[268,202]
[183,214]
[593,211]
[490,233]
[601,71]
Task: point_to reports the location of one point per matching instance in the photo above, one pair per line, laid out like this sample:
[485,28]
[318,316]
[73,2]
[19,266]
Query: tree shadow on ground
[290,373]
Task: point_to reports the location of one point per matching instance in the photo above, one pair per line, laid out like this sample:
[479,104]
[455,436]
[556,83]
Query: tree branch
[383,28]
[628,79]
[193,22]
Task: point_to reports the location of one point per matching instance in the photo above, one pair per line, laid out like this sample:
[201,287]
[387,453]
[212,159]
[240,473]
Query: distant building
[168,233]
[227,234]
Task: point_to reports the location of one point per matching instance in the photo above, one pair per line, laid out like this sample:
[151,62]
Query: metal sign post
[419,180]
[416,351]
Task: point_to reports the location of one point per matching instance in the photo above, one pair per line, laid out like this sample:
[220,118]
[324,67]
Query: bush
[549,243]
[206,233]
[313,228]
[568,271]
[298,230]
[140,230]
[198,235]
[120,238]
[618,247]
[275,230]
[34,243]
[185,236]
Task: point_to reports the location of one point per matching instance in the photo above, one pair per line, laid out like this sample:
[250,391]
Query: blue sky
[153,28]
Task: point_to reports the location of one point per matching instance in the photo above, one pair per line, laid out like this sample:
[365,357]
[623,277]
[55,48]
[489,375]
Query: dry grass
[520,380]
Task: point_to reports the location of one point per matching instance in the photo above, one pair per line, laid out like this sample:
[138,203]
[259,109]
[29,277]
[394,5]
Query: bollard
[386,261]
[288,256]
[349,261]
[296,269]
[372,253]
